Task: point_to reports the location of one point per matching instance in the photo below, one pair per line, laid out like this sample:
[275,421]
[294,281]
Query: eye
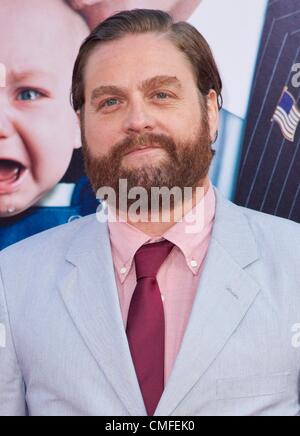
[109,103]
[162,96]
[29,95]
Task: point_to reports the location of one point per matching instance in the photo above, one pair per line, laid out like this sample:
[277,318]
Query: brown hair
[184,36]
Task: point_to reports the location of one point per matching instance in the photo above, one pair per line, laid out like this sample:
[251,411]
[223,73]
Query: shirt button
[194,264]
[123,270]
[163,298]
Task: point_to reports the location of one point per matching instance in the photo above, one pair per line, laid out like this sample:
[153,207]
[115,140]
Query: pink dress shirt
[178,277]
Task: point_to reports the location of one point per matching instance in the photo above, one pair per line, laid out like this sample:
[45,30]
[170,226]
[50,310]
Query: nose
[138,118]
[6,125]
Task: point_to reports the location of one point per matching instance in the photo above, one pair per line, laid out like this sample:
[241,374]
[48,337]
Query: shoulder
[267,230]
[278,244]
[276,241]
[48,244]
[270,246]
[278,231]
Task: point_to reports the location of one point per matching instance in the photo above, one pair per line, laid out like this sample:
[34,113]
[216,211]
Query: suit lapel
[225,294]
[90,294]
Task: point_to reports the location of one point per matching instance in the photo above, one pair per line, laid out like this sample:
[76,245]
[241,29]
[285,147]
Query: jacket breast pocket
[254,386]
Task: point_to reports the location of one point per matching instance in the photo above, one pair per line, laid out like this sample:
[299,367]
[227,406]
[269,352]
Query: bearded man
[138,316]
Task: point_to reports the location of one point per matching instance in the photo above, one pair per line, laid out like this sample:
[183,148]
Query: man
[236,64]
[38,129]
[146,317]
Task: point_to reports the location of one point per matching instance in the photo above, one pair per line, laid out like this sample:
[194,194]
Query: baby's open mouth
[12,174]
[10,170]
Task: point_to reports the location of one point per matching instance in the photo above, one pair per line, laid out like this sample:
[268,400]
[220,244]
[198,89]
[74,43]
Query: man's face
[38,130]
[141,93]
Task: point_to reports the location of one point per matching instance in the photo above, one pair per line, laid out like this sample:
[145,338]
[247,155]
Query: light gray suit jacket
[63,347]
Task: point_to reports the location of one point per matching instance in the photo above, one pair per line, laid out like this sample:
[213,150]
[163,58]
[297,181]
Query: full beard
[186,165]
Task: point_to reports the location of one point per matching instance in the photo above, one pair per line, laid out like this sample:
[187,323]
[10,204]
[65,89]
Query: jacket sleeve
[12,388]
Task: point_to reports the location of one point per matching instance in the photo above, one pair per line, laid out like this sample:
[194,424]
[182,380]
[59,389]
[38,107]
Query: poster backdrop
[256,46]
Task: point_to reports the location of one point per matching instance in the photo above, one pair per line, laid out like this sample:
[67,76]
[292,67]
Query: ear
[213,113]
[78,143]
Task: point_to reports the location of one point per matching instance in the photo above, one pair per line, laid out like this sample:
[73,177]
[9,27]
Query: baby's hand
[93,11]
[80,4]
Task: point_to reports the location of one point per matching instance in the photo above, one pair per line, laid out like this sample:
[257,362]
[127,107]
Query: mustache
[146,140]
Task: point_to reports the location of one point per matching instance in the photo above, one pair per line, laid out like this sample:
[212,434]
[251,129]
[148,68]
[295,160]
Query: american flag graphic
[287,115]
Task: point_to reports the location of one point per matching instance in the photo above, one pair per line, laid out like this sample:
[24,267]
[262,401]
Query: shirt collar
[60,196]
[194,231]
[189,238]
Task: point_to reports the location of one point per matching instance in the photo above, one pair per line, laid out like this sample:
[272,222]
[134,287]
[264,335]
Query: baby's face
[38,129]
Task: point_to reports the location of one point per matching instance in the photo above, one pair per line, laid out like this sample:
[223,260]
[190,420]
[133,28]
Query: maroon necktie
[146,323]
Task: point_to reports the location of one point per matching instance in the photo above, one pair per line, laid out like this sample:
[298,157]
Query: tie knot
[150,257]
